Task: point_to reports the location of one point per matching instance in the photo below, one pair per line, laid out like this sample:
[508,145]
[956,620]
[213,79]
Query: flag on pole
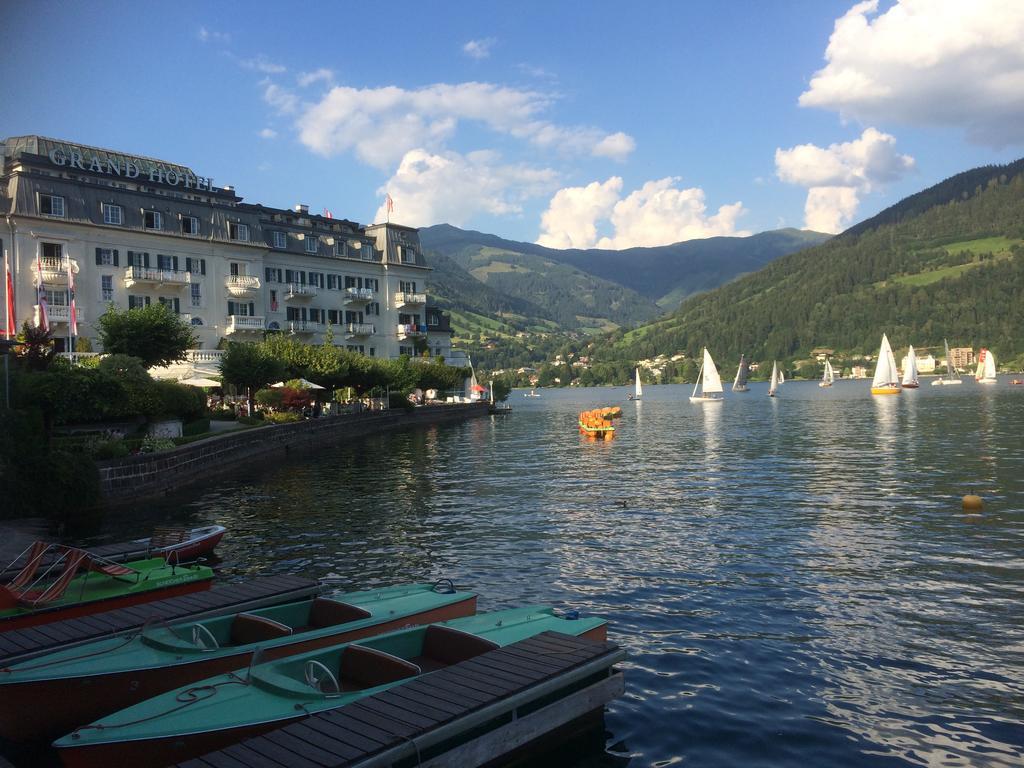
[72,313]
[389,202]
[9,319]
[328,214]
[42,311]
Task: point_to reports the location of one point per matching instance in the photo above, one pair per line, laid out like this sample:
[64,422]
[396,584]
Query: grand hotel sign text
[129,168]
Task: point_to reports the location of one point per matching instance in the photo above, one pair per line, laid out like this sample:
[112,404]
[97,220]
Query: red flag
[389,203]
[73,314]
[42,312]
[328,214]
[9,319]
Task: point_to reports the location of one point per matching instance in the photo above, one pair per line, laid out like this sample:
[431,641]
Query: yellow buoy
[973,503]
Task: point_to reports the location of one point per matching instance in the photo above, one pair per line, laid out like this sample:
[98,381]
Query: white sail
[829,376]
[774,385]
[885,371]
[782,378]
[739,384]
[712,381]
[638,387]
[986,373]
[910,367]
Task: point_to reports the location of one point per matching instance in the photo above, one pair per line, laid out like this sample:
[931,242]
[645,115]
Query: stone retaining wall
[152,474]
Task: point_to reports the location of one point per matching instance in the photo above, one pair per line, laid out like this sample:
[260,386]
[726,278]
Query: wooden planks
[373,728]
[18,644]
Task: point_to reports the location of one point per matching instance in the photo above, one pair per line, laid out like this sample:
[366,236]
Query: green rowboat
[222,710]
[50,695]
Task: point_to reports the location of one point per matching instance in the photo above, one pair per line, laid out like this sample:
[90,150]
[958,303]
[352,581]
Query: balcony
[359,329]
[358,295]
[61,313]
[242,285]
[204,355]
[304,326]
[243,324]
[55,269]
[299,291]
[162,278]
[406,299]
[410,330]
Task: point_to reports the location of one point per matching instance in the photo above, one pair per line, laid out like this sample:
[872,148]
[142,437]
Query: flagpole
[67,297]
[8,315]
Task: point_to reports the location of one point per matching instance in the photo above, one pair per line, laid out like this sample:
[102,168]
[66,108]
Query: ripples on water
[792,577]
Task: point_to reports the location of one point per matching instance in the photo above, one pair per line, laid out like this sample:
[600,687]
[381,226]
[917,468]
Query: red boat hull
[49,709]
[48,615]
[190,550]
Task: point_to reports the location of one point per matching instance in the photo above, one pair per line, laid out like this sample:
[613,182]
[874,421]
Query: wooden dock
[21,644]
[466,715]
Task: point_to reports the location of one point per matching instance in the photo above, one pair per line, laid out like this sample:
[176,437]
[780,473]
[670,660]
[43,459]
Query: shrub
[110,449]
[223,414]
[282,417]
[187,403]
[156,444]
[196,427]
[251,421]
[295,399]
[270,397]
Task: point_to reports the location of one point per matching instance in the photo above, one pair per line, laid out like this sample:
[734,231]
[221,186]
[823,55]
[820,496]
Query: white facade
[135,231]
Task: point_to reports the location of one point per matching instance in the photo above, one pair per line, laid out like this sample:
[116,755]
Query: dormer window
[51,205]
[152,220]
[190,225]
[366,252]
[312,243]
[280,240]
[112,213]
[238,231]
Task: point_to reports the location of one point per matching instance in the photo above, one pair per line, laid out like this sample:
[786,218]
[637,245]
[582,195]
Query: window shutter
[147,301]
[188,264]
[177,306]
[266,274]
[99,256]
[202,266]
[145,260]
[303,315]
[174,263]
[231,308]
[252,309]
[115,257]
[131,259]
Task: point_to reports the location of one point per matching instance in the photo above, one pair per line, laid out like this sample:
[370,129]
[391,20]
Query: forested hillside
[945,263]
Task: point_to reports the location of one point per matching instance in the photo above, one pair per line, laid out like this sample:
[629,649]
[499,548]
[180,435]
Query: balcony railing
[360,329]
[299,291]
[204,355]
[304,326]
[404,298]
[406,330]
[242,285]
[55,268]
[358,295]
[244,324]
[61,313]
[170,277]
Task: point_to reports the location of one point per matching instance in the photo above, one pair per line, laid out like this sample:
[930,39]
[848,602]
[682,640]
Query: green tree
[36,348]
[249,367]
[153,334]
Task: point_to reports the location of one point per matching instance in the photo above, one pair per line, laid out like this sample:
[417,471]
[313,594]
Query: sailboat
[742,374]
[638,388]
[986,373]
[782,379]
[776,380]
[910,369]
[887,380]
[711,391]
[531,393]
[828,376]
[952,374]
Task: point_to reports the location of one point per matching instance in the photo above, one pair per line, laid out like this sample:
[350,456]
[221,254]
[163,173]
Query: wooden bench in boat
[20,644]
[467,714]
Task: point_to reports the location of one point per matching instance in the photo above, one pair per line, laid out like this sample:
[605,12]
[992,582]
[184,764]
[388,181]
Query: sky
[571,124]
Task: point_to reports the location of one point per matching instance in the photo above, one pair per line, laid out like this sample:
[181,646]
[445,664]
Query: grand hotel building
[135,231]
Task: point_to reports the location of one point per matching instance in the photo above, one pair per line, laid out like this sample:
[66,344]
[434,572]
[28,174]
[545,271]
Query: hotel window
[111,213]
[56,298]
[189,225]
[52,250]
[106,287]
[408,255]
[372,283]
[355,348]
[340,249]
[238,231]
[106,257]
[197,294]
[312,243]
[407,286]
[373,308]
[406,351]
[333,316]
[195,265]
[366,252]
[167,262]
[332,282]
[152,220]
[373,351]
[316,315]
[280,240]
[138,302]
[352,316]
[172,304]
[316,279]
[51,205]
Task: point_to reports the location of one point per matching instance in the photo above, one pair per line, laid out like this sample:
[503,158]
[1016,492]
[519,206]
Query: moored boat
[910,369]
[952,374]
[986,373]
[219,711]
[828,377]
[183,544]
[886,380]
[49,695]
[76,583]
[709,383]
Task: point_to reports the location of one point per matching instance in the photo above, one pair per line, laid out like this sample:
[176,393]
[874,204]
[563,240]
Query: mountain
[664,274]
[947,262]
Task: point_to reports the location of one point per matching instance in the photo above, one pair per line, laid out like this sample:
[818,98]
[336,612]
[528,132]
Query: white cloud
[658,213]
[858,166]
[207,35]
[262,64]
[306,79]
[830,209]
[431,188]
[572,215]
[281,99]
[479,49]
[268,133]
[382,124]
[928,62]
[617,146]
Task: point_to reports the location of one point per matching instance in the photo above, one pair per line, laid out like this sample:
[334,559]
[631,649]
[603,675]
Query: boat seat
[444,646]
[111,569]
[329,613]
[166,536]
[247,628]
[363,667]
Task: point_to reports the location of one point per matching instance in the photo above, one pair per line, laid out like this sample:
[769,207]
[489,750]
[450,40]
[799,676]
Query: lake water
[793,578]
